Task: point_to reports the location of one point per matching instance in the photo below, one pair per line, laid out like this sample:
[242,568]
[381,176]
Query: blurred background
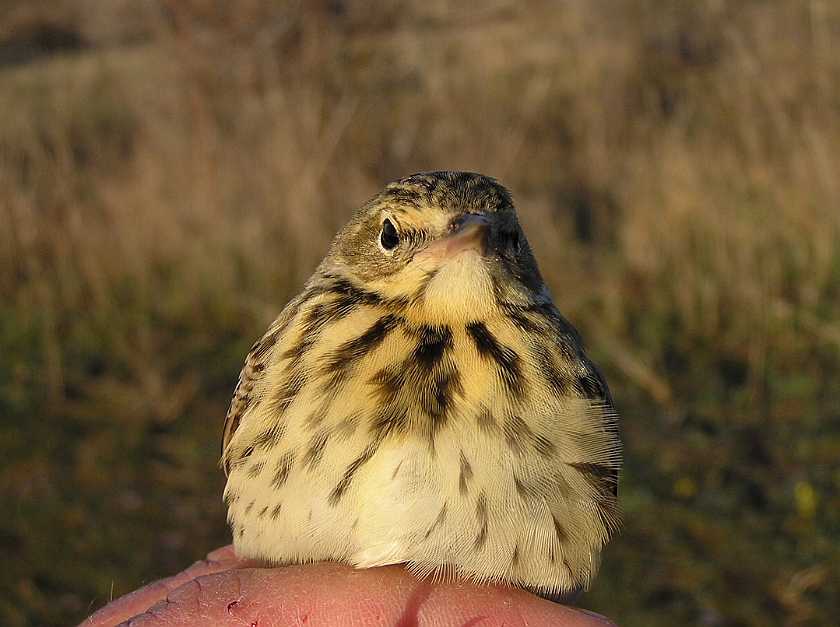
[171,171]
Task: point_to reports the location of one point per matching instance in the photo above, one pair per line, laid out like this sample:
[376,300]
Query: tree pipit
[423,401]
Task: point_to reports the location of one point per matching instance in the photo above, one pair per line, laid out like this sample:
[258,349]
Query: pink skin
[226,590]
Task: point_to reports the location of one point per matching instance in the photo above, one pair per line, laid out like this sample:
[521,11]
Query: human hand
[226,590]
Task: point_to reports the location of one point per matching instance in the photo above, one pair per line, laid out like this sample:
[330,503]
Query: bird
[422,401]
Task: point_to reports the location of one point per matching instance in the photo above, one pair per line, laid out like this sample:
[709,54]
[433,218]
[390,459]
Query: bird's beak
[465,233]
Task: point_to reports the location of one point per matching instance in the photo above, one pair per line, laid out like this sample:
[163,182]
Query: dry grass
[171,172]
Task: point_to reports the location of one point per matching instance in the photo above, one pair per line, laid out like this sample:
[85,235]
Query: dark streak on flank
[262,512]
[344,483]
[522,321]
[486,421]
[567,339]
[270,437]
[390,420]
[560,382]
[465,475]
[514,559]
[312,322]
[518,434]
[481,515]
[347,297]
[285,394]
[509,363]
[255,470]
[296,351]
[438,522]
[603,479]
[548,310]
[230,497]
[317,417]
[275,512]
[389,382]
[284,466]
[345,294]
[340,298]
[340,362]
[544,446]
[259,351]
[315,452]
[346,427]
[592,386]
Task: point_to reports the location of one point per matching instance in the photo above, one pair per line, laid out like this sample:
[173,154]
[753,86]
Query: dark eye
[389,238]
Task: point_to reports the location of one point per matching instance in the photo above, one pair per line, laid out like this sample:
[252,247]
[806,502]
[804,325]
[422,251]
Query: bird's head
[449,243]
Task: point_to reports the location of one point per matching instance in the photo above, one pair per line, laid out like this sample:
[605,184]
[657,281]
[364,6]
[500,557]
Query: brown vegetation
[171,172]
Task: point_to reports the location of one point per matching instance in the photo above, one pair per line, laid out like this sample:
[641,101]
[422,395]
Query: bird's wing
[255,364]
